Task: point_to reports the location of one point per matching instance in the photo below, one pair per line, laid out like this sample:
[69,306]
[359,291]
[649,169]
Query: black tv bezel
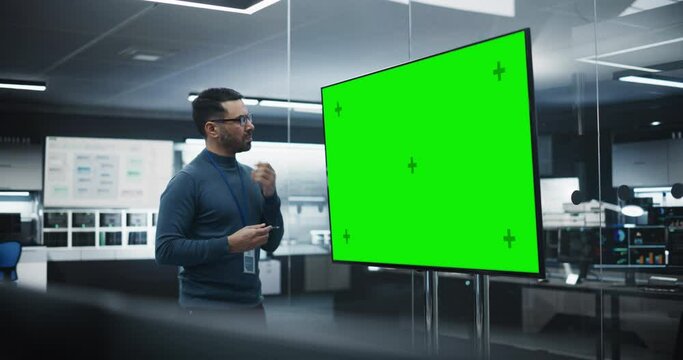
[534,155]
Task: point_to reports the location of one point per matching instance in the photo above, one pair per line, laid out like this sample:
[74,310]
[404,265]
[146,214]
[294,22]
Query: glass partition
[526,315]
[638,57]
[608,88]
[332,41]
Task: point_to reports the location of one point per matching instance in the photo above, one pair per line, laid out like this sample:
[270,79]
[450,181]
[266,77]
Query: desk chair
[10,252]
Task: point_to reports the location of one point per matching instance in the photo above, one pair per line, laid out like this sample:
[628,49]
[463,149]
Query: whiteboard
[111,173]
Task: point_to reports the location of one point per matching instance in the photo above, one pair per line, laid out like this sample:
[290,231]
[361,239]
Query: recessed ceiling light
[146,57]
[141,54]
[201,5]
[23,85]
[656,123]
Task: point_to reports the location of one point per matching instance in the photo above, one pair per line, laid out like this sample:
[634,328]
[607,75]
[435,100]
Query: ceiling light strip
[617,65]
[296,106]
[643,47]
[14,193]
[290,104]
[200,6]
[246,101]
[651,81]
[248,11]
[250,102]
[259,6]
[311,111]
[652,189]
[23,85]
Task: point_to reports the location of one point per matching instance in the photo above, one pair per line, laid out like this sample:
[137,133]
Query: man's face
[231,135]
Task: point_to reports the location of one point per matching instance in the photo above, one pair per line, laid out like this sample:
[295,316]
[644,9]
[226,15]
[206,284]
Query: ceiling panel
[175,54]
[112,72]
[331,41]
[79,16]
[210,28]
[31,51]
[257,71]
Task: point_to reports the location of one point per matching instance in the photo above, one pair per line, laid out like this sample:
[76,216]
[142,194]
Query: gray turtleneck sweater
[196,214]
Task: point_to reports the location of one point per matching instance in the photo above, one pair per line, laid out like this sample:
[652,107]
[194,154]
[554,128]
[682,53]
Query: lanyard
[243,216]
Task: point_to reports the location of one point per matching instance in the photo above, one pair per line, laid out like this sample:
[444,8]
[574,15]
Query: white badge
[249,262]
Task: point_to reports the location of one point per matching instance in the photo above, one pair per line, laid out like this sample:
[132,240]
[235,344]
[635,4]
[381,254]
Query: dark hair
[208,105]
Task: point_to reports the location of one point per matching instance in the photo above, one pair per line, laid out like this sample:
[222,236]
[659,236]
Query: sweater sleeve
[174,226]
[273,216]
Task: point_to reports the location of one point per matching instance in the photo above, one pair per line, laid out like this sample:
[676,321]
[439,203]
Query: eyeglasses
[242,119]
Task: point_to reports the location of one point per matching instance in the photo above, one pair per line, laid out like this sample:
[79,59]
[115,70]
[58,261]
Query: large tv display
[432,164]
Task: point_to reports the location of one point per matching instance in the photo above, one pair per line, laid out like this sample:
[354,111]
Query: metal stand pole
[482,322]
[432,312]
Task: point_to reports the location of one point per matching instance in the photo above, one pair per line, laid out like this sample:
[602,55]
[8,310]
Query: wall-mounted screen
[55,220]
[110,219]
[136,219]
[137,238]
[10,226]
[110,238]
[83,238]
[83,220]
[56,239]
[119,173]
[432,163]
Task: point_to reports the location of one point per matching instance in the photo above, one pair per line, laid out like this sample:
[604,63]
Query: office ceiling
[84,49]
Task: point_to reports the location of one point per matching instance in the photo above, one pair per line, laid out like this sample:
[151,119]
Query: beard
[233,143]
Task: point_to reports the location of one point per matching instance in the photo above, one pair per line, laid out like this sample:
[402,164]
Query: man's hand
[248,237]
[264,175]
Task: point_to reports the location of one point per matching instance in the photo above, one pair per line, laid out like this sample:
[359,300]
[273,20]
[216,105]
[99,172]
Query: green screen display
[431,164]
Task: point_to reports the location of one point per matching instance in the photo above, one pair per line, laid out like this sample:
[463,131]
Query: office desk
[130,267]
[602,291]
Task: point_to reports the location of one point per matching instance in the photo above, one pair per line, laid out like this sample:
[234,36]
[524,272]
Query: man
[216,214]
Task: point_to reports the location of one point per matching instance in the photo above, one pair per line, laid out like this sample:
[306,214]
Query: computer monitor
[647,246]
[432,164]
[551,239]
[579,246]
[614,247]
[10,227]
[675,247]
[641,247]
